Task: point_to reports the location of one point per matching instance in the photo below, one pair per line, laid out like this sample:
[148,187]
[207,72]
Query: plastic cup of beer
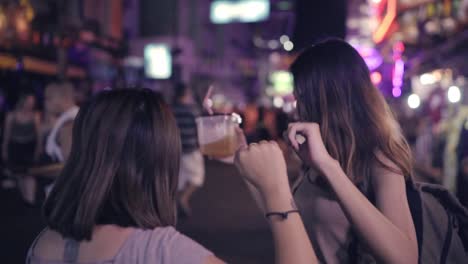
[217,135]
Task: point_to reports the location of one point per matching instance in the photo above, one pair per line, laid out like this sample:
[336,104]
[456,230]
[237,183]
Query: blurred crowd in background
[438,137]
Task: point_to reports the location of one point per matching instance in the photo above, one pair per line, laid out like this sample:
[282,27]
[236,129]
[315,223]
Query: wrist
[329,168]
[279,202]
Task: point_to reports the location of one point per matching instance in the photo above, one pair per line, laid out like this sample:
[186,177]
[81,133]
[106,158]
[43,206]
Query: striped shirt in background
[185,116]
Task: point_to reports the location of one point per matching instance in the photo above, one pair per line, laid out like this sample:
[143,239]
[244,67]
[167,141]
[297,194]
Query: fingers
[262,164]
[263,143]
[300,139]
[292,130]
[297,131]
[242,144]
[245,153]
[253,147]
[239,152]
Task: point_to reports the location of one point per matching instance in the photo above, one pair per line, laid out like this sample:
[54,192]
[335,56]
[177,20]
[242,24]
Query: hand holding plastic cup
[217,135]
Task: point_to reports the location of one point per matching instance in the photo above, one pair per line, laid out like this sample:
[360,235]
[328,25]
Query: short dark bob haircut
[123,166]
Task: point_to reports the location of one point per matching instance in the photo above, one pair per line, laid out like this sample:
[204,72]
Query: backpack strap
[415,206]
[447,241]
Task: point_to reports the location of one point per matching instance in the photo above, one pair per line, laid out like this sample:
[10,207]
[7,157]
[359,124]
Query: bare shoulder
[385,164]
[48,245]
[385,170]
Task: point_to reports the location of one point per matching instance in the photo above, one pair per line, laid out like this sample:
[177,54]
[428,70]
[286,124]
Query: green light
[284,5]
[282,82]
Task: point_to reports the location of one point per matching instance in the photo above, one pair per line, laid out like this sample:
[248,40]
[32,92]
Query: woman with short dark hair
[114,201]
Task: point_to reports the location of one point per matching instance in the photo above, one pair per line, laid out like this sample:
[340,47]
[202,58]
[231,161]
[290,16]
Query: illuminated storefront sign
[224,12]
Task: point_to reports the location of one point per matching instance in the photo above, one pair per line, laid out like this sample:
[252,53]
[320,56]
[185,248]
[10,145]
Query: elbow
[413,251]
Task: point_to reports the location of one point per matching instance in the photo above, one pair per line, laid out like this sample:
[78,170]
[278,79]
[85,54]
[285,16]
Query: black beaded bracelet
[283,215]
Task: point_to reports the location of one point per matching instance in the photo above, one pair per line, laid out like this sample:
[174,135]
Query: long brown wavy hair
[333,88]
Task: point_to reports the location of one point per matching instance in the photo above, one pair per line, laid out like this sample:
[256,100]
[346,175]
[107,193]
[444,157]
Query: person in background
[114,201]
[356,161]
[20,148]
[60,106]
[262,131]
[454,124]
[60,101]
[250,121]
[427,153]
[192,164]
[259,123]
[48,121]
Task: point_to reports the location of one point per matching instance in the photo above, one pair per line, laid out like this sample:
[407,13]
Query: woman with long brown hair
[352,195]
[114,201]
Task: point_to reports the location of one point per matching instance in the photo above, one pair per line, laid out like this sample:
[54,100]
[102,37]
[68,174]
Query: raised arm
[264,170]
[387,230]
[264,167]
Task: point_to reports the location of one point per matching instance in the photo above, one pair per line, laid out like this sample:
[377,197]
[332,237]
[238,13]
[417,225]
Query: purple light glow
[371,56]
[398,73]
[396,92]
[398,69]
[397,81]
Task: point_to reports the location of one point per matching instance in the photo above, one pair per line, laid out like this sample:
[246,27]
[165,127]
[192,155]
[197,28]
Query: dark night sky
[318,19]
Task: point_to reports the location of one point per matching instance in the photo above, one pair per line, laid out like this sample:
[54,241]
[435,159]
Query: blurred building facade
[415,50]
[224,55]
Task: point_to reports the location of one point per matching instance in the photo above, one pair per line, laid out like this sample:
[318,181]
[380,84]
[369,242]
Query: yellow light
[29,10]
[21,24]
[2,20]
